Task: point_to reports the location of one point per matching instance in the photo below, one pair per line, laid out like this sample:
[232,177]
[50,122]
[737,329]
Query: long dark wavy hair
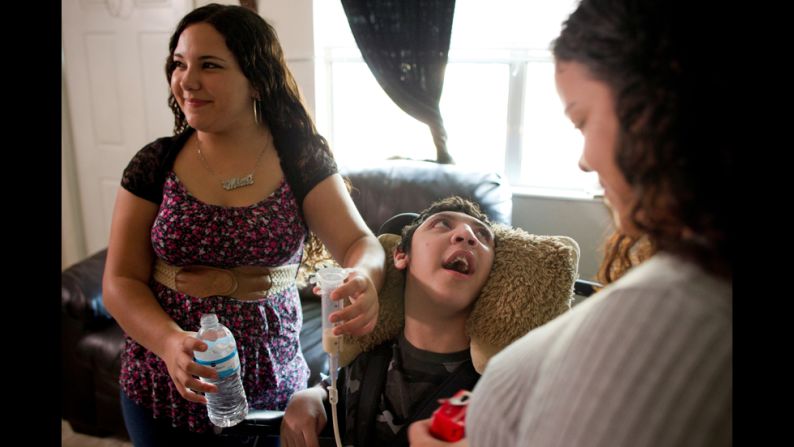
[673,146]
[258,53]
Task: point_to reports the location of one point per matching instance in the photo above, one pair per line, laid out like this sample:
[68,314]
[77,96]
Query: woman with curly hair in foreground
[647,361]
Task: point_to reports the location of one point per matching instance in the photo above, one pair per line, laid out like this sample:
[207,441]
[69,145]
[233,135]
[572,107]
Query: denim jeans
[146,431]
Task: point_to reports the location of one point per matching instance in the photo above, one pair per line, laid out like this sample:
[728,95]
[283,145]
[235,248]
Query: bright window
[499,102]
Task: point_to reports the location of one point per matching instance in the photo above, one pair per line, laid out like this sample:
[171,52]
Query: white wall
[294,24]
[586,221]
[73,246]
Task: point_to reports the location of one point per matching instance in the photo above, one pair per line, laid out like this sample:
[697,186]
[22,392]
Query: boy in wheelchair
[446,255]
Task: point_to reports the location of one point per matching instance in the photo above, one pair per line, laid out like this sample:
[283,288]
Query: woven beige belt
[243,283]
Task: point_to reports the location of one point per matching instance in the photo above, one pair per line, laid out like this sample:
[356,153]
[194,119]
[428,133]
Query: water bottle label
[225,365]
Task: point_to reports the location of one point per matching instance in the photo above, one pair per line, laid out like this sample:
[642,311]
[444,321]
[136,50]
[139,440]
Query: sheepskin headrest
[530,283]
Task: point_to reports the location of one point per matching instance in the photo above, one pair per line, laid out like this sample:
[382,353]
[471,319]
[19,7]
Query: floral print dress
[190,232]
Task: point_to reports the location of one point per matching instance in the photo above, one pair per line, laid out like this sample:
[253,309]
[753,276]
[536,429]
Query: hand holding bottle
[228,406]
[178,359]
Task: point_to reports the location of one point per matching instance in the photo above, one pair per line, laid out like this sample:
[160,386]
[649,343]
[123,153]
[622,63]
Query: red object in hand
[450,418]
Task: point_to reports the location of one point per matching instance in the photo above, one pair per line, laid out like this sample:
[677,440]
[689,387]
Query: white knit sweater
[646,362]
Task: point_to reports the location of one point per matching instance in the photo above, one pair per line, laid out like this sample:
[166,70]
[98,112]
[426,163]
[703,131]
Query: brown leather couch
[91,341]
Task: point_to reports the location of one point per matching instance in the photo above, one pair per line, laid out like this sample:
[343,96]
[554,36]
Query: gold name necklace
[233,182]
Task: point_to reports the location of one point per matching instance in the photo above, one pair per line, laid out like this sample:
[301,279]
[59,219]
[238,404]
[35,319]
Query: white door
[114,54]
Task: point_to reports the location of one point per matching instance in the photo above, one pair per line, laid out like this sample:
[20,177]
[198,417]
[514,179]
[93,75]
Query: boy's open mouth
[461,262]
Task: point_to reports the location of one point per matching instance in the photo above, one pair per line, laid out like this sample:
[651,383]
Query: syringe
[328,279]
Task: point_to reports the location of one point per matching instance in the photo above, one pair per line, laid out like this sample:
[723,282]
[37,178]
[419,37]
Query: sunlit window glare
[499,103]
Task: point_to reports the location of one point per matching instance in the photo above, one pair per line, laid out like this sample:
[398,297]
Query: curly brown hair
[621,253]
[670,99]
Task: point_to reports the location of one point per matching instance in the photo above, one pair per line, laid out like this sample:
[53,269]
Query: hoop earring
[256,112]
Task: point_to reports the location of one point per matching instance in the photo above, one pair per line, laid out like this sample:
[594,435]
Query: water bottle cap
[209,319]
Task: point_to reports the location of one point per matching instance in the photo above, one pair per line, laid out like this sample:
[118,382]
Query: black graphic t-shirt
[411,375]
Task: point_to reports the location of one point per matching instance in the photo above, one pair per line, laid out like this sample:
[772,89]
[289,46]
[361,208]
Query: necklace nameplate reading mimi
[234,182]
[238,182]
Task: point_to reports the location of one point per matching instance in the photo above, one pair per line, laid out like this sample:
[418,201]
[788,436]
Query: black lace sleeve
[305,167]
[145,174]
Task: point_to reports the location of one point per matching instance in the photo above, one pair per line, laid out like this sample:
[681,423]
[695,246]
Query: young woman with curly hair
[647,361]
[214,220]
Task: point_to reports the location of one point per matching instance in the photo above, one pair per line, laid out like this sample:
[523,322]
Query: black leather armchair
[400,186]
[91,341]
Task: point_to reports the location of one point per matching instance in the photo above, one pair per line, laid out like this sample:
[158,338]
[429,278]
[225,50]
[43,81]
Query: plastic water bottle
[228,406]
